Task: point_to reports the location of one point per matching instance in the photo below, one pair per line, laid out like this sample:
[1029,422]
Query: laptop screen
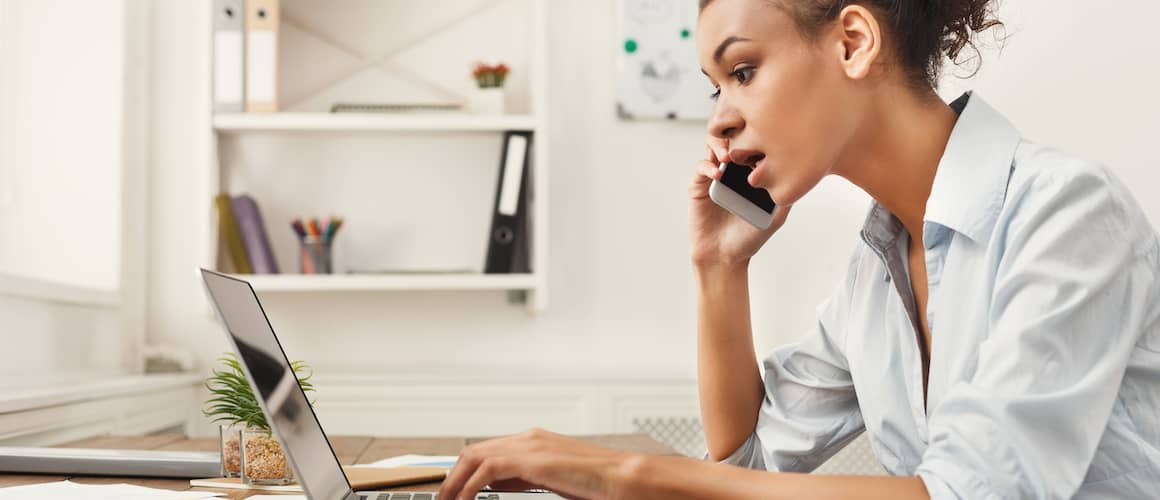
[282,399]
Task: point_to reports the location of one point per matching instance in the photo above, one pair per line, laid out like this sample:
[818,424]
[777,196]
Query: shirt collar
[971,181]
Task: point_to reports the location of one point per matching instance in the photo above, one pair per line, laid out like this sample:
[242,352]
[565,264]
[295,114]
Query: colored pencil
[313,225]
[298,229]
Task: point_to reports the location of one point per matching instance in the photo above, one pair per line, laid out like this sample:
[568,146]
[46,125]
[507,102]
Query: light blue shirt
[1044,309]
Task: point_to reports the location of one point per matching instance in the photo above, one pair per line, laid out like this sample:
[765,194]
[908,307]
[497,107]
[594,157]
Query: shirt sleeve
[1070,301]
[810,410]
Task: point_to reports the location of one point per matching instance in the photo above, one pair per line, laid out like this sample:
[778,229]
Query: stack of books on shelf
[243,241]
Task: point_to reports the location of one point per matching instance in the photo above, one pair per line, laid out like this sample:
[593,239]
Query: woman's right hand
[718,237]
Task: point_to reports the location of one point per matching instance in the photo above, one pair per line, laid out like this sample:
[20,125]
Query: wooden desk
[350,450]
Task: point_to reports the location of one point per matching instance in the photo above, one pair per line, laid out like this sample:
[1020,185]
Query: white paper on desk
[69,489]
[414,461]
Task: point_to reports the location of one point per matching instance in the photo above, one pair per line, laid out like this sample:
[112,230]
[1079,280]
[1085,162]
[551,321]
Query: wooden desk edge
[350,449]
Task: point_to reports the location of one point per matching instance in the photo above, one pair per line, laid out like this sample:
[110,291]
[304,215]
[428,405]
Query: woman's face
[784,104]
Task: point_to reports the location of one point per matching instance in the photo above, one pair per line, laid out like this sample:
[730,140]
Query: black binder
[508,240]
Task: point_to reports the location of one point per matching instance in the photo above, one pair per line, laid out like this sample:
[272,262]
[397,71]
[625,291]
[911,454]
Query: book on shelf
[243,242]
[254,235]
[392,107]
[230,242]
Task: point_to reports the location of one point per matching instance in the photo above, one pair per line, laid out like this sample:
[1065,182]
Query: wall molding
[50,291]
[115,406]
[412,406]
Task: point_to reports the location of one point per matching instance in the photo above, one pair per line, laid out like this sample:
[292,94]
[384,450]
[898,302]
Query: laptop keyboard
[421,496]
[402,496]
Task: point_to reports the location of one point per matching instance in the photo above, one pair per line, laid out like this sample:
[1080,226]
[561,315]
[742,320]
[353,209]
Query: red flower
[490,76]
[480,69]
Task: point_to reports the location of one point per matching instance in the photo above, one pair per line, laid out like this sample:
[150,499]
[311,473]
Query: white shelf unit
[530,289]
[318,122]
[389,282]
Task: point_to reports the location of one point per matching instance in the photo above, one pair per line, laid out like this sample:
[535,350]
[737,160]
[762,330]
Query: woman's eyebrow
[720,52]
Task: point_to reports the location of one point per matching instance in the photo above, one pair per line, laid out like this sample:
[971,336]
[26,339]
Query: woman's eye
[743,74]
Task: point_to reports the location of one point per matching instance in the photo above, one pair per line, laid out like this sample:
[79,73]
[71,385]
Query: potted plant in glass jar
[248,449]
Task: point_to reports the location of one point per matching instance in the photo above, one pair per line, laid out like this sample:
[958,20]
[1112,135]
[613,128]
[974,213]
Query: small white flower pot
[487,101]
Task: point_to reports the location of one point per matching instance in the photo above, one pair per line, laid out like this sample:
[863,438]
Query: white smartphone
[733,193]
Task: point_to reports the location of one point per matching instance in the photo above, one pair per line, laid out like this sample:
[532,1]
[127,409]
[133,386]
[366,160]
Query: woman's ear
[860,39]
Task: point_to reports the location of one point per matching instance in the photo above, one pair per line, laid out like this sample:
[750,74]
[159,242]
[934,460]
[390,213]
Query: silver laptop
[285,405]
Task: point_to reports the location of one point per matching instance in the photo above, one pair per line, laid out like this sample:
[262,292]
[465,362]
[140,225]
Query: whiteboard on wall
[658,76]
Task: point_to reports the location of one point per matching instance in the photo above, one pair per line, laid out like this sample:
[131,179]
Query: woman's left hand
[537,459]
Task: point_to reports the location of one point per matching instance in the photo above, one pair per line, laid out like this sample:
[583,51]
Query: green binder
[231,235]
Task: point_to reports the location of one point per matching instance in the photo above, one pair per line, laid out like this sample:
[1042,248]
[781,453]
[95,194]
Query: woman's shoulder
[1052,190]
[1037,166]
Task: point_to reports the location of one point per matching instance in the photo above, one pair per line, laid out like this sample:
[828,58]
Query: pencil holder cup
[315,256]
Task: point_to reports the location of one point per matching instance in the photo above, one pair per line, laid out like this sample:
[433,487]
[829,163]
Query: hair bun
[961,21]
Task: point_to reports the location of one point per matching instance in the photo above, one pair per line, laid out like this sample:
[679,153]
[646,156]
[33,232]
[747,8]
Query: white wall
[621,289]
[61,93]
[39,338]
[68,146]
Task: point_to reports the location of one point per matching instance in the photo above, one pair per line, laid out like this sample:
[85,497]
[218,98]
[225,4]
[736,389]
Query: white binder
[228,56]
[262,18]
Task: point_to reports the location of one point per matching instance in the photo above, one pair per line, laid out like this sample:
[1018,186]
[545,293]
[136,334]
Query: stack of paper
[414,461]
[69,489]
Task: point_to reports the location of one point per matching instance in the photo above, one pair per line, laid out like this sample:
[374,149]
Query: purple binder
[254,235]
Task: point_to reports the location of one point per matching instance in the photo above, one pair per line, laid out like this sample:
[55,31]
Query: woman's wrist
[644,477]
[721,271]
[630,476]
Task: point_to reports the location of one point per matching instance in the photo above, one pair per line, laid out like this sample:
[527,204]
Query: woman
[997,333]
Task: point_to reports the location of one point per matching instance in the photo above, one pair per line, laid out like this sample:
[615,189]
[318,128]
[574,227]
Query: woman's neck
[895,157]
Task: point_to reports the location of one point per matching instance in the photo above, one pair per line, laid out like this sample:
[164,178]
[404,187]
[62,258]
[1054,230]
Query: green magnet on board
[685,33]
[630,46]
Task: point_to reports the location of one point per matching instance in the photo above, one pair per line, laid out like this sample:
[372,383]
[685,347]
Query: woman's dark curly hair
[922,31]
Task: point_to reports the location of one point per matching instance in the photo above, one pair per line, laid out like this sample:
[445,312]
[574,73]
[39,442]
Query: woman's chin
[784,194]
[787,190]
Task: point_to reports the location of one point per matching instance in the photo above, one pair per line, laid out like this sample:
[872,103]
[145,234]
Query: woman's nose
[725,122]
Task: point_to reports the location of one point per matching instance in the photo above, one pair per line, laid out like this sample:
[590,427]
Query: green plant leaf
[232,400]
